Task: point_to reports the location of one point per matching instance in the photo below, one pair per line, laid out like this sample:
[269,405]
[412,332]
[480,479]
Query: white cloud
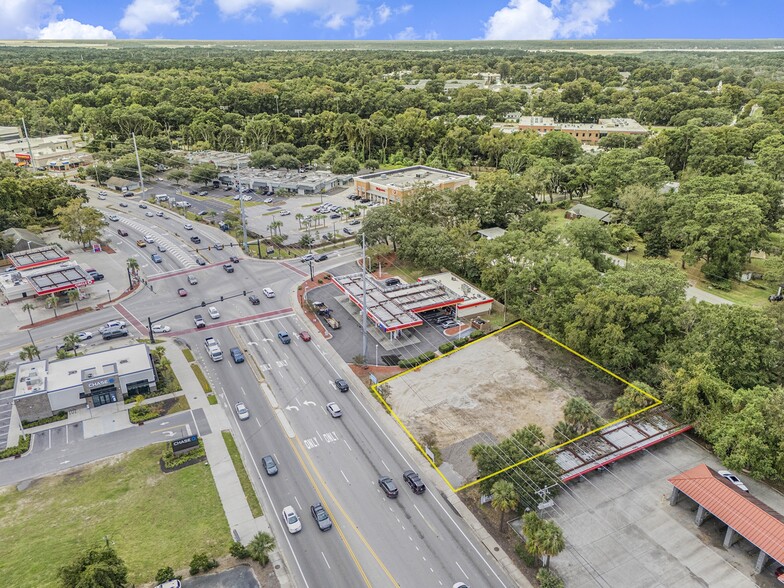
[22,19]
[383,12]
[362,24]
[140,14]
[72,29]
[332,14]
[533,19]
[407,34]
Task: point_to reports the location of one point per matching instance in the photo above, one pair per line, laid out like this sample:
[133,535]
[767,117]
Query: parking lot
[621,531]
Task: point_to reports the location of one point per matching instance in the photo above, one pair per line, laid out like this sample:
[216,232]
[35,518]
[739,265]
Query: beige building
[394,185]
[587,133]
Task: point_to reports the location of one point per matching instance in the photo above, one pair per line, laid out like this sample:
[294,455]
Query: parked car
[291,520]
[236,354]
[388,486]
[182,292]
[213,312]
[334,410]
[341,385]
[321,517]
[392,282]
[268,200]
[161,328]
[348,231]
[242,411]
[269,465]
[734,479]
[285,212]
[84,335]
[414,481]
[254,300]
[355,222]
[124,204]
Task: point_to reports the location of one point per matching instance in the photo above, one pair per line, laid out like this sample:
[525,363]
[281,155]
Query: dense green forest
[716,124]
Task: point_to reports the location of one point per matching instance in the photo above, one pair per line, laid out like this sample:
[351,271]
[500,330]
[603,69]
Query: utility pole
[242,211]
[138,163]
[29,147]
[364,300]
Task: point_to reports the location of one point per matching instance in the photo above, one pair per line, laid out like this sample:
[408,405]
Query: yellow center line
[345,514]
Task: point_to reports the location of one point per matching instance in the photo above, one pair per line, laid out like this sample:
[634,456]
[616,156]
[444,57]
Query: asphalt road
[408,541]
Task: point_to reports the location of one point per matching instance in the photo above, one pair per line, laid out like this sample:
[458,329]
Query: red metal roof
[749,516]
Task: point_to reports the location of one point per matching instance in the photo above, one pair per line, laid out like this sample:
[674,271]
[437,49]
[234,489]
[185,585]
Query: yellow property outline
[374,388]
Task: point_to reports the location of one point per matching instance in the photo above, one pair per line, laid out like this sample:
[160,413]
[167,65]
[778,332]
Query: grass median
[201,377]
[247,486]
[152,519]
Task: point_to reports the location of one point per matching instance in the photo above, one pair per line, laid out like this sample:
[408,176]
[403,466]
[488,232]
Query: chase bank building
[44,388]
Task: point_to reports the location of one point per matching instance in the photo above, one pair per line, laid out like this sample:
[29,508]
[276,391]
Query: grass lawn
[188,354]
[145,513]
[247,486]
[201,377]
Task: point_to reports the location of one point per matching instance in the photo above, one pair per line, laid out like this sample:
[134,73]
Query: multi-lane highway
[412,540]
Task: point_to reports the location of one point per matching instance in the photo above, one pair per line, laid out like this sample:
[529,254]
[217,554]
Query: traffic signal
[203,304]
[244,293]
[221,298]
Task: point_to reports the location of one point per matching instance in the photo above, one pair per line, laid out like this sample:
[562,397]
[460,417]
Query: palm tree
[580,415]
[28,307]
[29,352]
[71,341]
[133,265]
[299,216]
[260,546]
[73,296]
[52,301]
[504,499]
[543,538]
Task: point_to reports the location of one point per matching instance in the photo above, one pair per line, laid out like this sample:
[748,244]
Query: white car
[114,218]
[148,213]
[291,519]
[734,479]
[269,292]
[334,410]
[161,328]
[112,325]
[159,213]
[188,227]
[149,239]
[213,312]
[285,213]
[237,197]
[102,193]
[84,335]
[268,200]
[247,198]
[242,412]
[101,197]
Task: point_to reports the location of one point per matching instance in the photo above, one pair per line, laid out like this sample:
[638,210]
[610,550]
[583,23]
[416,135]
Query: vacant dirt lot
[496,386]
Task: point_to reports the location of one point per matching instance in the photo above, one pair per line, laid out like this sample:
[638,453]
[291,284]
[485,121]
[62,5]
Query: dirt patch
[496,386]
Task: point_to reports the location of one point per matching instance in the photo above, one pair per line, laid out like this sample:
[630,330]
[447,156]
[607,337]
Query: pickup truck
[213,349]
[320,308]
[332,322]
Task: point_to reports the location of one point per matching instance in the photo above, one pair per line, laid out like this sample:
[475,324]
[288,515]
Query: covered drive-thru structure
[744,515]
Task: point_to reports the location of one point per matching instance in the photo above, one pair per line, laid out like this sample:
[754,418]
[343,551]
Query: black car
[254,300]
[413,480]
[321,517]
[195,239]
[142,205]
[322,257]
[200,261]
[342,385]
[388,486]
[269,465]
[95,275]
[228,268]
[193,192]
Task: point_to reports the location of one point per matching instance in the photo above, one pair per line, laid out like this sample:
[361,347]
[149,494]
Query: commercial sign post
[185,444]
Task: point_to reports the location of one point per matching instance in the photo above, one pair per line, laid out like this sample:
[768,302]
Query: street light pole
[364,302]
[152,335]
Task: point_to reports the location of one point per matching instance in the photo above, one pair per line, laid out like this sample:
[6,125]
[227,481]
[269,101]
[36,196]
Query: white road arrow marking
[308,403]
[253,343]
[163,423]
[168,434]
[293,408]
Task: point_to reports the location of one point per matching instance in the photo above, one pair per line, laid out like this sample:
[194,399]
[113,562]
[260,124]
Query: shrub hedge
[21,447]
[171,462]
[418,360]
[60,416]
[446,347]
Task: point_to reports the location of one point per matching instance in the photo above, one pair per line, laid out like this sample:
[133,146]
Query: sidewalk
[241,522]
[480,533]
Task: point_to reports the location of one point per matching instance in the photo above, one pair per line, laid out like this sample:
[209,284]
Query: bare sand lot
[496,386]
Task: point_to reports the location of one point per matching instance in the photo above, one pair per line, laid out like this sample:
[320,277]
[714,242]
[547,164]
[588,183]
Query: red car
[305,336]
[182,292]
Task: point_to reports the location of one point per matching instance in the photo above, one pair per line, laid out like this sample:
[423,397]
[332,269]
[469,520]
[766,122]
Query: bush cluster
[418,360]
[21,447]
[202,563]
[238,550]
[143,412]
[461,341]
[170,461]
[60,416]
[446,347]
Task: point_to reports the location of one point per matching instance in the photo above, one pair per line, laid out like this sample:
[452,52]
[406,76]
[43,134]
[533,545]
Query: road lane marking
[325,560]
[345,478]
[462,571]
[298,504]
[347,445]
[386,466]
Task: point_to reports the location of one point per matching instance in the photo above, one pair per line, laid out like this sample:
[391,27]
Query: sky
[391,19]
